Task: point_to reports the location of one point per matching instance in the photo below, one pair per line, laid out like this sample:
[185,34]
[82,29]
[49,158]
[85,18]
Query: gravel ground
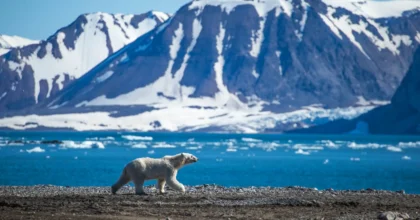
[201,202]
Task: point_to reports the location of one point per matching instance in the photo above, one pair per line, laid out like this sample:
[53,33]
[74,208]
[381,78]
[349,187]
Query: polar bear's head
[189,158]
[181,159]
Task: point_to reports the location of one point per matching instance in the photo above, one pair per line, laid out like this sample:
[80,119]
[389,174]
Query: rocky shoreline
[205,202]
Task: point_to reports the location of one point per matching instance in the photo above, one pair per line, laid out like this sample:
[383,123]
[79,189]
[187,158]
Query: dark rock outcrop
[401,116]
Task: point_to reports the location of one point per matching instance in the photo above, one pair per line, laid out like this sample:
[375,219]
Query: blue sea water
[97,159]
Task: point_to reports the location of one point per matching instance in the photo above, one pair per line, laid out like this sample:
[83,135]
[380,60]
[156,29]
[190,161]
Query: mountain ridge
[45,68]
[8,42]
[243,66]
[191,45]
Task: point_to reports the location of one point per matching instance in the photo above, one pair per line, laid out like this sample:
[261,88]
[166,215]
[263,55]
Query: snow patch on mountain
[3,51]
[418,37]
[262,7]
[302,23]
[376,9]
[17,67]
[161,16]
[343,24]
[257,39]
[167,84]
[3,95]
[9,42]
[363,102]
[104,77]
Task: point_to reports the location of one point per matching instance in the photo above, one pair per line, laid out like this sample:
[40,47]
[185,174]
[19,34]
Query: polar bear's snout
[190,158]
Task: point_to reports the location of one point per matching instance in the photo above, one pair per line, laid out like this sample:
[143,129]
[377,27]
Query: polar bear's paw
[113,190]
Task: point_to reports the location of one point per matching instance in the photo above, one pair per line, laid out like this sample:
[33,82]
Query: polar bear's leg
[124,179]
[138,184]
[173,182]
[161,185]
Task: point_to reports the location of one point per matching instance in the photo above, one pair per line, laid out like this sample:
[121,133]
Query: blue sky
[38,19]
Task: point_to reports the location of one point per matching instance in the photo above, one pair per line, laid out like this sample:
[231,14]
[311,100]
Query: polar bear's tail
[124,179]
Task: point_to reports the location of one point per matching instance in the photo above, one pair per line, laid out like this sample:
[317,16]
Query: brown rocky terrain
[204,202]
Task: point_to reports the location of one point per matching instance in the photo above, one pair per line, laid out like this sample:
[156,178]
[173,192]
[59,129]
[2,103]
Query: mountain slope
[247,66]
[9,42]
[31,74]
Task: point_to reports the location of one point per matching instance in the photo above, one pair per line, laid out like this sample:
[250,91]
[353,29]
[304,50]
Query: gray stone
[393,216]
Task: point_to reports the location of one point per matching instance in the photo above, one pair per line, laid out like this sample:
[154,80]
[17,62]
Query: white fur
[163,169]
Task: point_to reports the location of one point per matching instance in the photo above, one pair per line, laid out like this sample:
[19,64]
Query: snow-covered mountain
[246,66]
[9,42]
[30,74]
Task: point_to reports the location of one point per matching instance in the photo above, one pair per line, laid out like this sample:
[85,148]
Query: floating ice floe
[394,149]
[231,149]
[355,159]
[326,161]
[329,144]
[307,147]
[163,145]
[107,139]
[194,148]
[409,144]
[397,148]
[300,151]
[137,138]
[139,146]
[354,145]
[151,152]
[36,150]
[406,158]
[83,145]
[251,140]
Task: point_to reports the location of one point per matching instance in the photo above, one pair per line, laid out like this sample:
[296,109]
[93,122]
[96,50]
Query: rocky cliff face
[245,65]
[401,116]
[30,74]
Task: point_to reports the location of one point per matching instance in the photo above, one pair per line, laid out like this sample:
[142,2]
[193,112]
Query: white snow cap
[376,8]
[368,8]
[9,42]
[15,41]
[262,6]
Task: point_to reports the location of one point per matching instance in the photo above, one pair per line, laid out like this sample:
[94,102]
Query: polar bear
[163,169]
